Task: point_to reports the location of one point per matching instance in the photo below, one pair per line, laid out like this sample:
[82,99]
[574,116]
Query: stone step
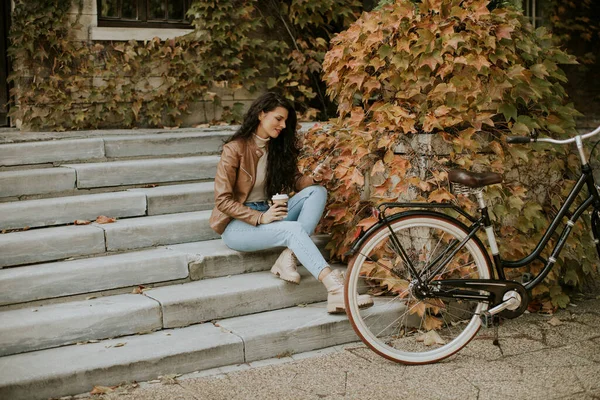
[39,245]
[36,181]
[154,144]
[61,324]
[299,329]
[231,296]
[212,258]
[179,198]
[38,375]
[175,306]
[63,210]
[89,275]
[51,151]
[196,260]
[59,243]
[169,199]
[75,369]
[137,233]
[136,172]
[164,144]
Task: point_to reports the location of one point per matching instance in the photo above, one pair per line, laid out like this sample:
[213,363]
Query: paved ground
[539,357]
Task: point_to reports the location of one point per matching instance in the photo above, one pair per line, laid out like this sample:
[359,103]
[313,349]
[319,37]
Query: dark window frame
[142,21]
[532,9]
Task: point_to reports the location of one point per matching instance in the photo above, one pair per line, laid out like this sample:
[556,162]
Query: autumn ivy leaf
[384,51]
[558,297]
[440,196]
[509,111]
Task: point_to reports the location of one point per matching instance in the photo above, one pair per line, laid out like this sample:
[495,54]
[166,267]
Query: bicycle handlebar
[519,139]
[527,139]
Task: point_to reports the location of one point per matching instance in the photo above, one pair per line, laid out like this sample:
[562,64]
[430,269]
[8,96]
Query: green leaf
[519,129]
[509,111]
[384,51]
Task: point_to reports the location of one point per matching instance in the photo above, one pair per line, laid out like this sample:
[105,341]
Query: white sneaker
[285,267]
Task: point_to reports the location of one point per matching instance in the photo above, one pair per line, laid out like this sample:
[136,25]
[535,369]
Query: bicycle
[441,274]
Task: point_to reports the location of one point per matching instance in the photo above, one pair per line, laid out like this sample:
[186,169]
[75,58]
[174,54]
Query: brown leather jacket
[236,174]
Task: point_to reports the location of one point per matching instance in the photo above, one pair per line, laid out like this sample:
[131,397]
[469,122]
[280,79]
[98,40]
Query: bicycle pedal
[489,321]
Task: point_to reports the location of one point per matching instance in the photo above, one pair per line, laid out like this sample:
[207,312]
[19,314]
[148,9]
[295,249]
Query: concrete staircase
[154,293]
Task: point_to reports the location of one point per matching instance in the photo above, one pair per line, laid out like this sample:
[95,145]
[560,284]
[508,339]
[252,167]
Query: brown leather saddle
[474,179]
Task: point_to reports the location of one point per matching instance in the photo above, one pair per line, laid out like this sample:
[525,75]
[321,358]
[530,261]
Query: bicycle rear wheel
[403,326]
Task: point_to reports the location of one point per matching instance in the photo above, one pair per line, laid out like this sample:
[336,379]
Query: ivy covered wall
[64,79]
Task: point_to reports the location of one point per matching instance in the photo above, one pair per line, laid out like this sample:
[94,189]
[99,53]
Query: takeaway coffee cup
[280,199]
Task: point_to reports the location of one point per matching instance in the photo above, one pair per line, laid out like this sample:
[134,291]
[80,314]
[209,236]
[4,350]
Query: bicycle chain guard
[468,289]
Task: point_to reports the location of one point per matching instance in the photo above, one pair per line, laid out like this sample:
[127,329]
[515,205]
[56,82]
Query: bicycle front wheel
[405,326]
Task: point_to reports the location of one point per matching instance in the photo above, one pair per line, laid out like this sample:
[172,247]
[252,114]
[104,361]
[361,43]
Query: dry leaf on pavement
[169,379]
[430,338]
[102,389]
[102,219]
[82,222]
[555,321]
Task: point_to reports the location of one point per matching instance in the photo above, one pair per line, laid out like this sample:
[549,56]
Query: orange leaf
[367,222]
[432,323]
[102,219]
[102,389]
[378,167]
[439,196]
[81,222]
[358,178]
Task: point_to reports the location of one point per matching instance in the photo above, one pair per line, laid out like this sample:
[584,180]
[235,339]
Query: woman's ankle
[324,272]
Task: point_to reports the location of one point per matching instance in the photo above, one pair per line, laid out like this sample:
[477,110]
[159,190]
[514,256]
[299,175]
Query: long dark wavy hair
[283,151]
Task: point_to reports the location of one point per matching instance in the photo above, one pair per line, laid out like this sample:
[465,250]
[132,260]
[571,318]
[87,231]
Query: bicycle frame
[586,178]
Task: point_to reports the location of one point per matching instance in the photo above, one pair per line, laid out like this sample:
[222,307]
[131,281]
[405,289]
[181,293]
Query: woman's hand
[276,212]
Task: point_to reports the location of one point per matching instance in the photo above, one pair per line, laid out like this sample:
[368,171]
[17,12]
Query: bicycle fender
[403,214]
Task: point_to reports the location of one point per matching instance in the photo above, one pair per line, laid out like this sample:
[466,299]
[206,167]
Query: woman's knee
[315,190]
[291,227]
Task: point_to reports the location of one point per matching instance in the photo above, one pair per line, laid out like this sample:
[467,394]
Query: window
[535,11]
[143,13]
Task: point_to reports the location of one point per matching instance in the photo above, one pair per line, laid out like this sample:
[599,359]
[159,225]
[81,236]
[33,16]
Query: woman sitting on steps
[257,162]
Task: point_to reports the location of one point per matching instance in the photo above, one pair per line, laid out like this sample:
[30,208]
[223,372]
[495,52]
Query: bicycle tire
[596,230]
[410,341]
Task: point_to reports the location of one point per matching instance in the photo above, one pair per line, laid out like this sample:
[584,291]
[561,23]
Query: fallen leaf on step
[201,126]
[117,345]
[138,290]
[171,127]
[169,379]
[102,219]
[302,305]
[430,338]
[102,389]
[82,222]
[152,185]
[154,381]
[90,297]
[285,354]
[555,321]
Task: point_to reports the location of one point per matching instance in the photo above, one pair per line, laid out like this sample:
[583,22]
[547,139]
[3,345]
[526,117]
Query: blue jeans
[304,212]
